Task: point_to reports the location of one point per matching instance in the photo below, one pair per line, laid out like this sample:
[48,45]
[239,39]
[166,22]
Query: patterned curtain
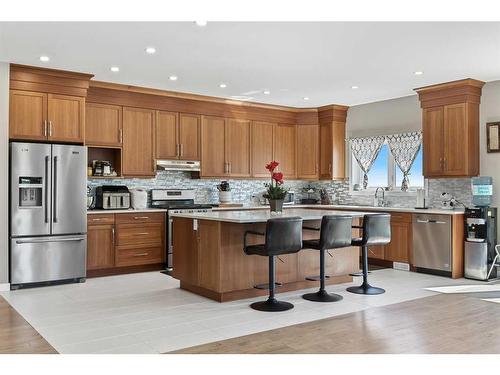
[404,148]
[365,151]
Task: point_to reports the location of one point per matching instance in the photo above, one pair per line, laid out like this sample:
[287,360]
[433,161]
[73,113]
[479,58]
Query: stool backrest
[284,235]
[376,229]
[336,231]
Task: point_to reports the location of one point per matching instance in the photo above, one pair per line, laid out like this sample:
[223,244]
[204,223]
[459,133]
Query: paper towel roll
[420,198]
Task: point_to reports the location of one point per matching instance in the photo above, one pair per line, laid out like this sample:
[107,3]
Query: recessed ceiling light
[354,87]
[419,73]
[201,23]
[115,69]
[173,78]
[150,50]
[306,98]
[222,85]
[44,58]
[267,92]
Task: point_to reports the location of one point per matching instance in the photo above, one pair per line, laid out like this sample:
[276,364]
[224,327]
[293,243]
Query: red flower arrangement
[275,189]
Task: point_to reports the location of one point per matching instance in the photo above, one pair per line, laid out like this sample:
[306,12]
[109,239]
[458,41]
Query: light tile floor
[148,313]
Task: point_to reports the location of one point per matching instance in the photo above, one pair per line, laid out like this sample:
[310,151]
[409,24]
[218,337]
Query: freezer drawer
[41,259]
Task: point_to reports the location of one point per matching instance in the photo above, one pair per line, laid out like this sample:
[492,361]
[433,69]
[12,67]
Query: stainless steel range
[175,201]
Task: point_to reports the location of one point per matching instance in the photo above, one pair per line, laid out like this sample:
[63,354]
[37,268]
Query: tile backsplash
[246,191]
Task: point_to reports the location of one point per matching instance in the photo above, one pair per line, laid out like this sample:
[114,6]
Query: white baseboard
[4,287]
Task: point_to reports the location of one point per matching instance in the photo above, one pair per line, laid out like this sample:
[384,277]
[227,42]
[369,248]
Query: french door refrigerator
[48,223]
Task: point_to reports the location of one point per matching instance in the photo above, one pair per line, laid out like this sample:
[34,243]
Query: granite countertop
[129,211]
[261,216]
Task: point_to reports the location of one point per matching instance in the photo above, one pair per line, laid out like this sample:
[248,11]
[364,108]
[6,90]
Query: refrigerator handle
[47,189]
[43,240]
[55,189]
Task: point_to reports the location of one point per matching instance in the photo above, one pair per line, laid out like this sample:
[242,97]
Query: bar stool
[335,233]
[283,236]
[376,231]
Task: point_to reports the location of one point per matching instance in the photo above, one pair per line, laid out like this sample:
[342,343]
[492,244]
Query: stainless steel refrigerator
[48,223]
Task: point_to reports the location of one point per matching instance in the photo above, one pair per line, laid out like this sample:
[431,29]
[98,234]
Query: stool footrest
[358,274]
[266,286]
[316,278]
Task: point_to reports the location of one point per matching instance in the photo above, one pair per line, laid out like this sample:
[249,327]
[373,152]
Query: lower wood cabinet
[115,241]
[400,247]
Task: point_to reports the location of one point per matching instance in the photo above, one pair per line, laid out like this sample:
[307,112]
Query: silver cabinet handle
[56,158]
[181,147]
[113,235]
[140,234]
[141,255]
[46,188]
[120,134]
[20,242]
[140,217]
[44,128]
[50,128]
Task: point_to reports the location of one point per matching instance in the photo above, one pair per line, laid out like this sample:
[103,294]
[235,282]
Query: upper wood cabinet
[103,125]
[42,116]
[213,160]
[332,120]
[451,128]
[138,142]
[177,136]
[262,147]
[225,147]
[308,152]
[285,149]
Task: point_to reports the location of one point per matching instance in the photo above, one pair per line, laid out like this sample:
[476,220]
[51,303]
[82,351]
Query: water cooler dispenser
[481,256]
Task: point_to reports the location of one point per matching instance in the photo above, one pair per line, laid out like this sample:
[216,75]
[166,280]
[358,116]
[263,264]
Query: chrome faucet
[376,200]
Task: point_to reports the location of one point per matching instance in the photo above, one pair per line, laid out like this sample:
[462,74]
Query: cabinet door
[103,125]
[100,247]
[238,147]
[189,136]
[167,141]
[66,116]
[213,162]
[325,151]
[307,151]
[433,128]
[455,140]
[138,137]
[262,147]
[398,250]
[285,145]
[28,114]
[338,151]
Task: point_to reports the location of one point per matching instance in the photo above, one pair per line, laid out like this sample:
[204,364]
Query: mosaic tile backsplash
[249,191]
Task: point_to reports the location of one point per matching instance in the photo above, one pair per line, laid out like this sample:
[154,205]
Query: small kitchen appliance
[139,199]
[175,201]
[112,197]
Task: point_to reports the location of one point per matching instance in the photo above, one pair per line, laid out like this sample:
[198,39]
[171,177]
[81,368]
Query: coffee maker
[481,256]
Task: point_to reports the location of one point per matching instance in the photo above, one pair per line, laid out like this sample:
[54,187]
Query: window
[385,173]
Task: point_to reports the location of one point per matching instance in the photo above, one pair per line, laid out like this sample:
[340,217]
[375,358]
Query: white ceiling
[293,59]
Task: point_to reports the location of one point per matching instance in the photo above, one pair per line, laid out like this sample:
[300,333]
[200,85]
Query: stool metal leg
[365,288]
[322,295]
[272,304]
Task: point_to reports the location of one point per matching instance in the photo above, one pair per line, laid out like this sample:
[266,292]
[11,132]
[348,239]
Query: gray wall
[4,173]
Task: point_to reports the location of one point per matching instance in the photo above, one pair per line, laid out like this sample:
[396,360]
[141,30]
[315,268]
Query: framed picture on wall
[493,136]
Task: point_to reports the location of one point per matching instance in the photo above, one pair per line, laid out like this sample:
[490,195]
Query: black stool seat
[283,236]
[376,232]
[335,233]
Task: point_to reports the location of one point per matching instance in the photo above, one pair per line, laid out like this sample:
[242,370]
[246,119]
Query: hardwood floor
[17,336]
[436,324]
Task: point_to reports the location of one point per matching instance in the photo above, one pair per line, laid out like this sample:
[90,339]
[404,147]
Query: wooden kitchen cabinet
[262,147]
[100,241]
[332,151]
[177,136]
[308,152]
[285,149]
[213,162]
[138,142]
[51,117]
[237,147]
[103,125]
[400,247]
[451,128]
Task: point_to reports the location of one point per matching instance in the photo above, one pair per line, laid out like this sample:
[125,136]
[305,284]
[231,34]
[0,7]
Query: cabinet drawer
[140,235]
[100,219]
[144,217]
[134,257]
[400,217]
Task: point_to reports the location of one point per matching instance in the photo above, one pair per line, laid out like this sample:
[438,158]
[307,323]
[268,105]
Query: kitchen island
[208,257]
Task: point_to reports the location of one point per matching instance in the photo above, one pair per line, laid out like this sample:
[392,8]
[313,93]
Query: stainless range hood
[178,165]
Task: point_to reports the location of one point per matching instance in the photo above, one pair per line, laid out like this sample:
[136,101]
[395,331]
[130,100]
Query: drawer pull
[97,219]
[140,234]
[141,255]
[140,217]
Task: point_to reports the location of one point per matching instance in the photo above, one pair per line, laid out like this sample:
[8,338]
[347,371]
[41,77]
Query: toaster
[110,197]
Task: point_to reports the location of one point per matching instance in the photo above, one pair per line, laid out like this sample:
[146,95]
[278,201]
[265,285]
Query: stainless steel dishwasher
[432,244]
